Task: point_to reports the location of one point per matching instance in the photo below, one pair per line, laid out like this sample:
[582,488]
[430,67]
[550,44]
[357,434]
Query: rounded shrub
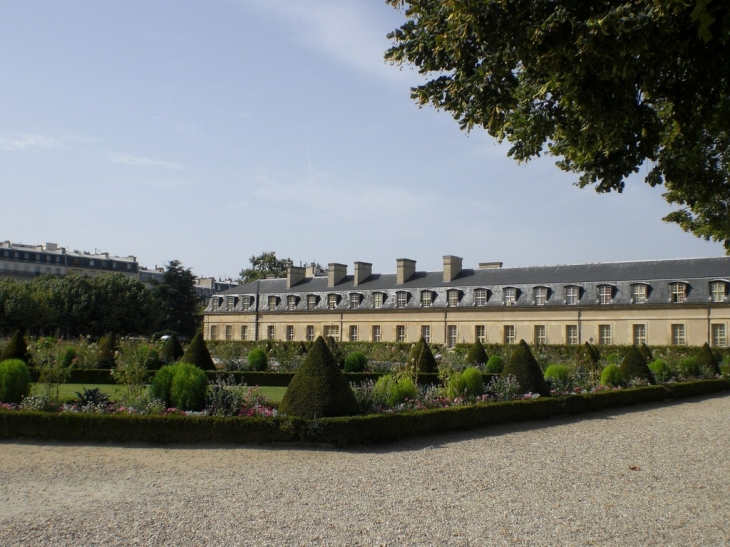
[688,367]
[14,381]
[611,376]
[473,381]
[16,349]
[455,386]
[660,369]
[559,376]
[189,387]
[161,383]
[356,362]
[392,390]
[495,364]
[477,354]
[318,388]
[524,367]
[257,360]
[634,366]
[197,353]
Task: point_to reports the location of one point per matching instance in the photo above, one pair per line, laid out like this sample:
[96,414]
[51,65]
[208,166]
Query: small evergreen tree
[634,366]
[318,388]
[421,358]
[107,346]
[706,361]
[171,351]
[589,354]
[525,368]
[16,349]
[477,355]
[197,353]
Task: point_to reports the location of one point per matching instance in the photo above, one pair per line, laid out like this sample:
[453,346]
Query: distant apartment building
[24,262]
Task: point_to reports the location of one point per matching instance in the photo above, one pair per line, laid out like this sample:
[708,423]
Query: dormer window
[426,299]
[718,291]
[453,298]
[291,302]
[510,296]
[355,299]
[677,292]
[605,294]
[332,301]
[272,302]
[214,304]
[246,303]
[541,296]
[378,299]
[231,303]
[480,297]
[401,299]
[311,301]
[572,295]
[639,293]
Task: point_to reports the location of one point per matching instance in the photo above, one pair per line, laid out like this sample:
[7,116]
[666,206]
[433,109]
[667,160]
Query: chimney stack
[405,269]
[490,265]
[452,267]
[335,273]
[363,270]
[294,274]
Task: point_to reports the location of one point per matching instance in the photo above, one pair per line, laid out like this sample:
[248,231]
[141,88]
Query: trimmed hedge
[374,428]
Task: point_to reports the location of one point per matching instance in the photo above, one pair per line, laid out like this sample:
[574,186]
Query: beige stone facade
[674,302]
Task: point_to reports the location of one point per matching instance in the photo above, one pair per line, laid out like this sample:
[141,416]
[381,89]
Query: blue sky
[208,132]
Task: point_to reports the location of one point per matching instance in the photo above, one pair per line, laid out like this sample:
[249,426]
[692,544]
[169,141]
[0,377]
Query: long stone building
[660,302]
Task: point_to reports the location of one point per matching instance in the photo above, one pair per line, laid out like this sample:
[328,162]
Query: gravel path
[560,482]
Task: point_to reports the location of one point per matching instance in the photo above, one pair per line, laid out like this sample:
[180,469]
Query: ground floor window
[376,333]
[639,334]
[426,333]
[678,335]
[480,333]
[333,331]
[272,332]
[604,335]
[214,332]
[353,333]
[290,333]
[244,332]
[571,335]
[719,338]
[229,332]
[540,334]
[451,335]
[509,334]
[400,333]
[310,333]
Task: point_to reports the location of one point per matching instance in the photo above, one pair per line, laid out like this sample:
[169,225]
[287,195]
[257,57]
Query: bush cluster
[182,386]
[14,381]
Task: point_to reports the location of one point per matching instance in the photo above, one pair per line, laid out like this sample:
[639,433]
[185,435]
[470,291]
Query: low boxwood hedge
[373,428]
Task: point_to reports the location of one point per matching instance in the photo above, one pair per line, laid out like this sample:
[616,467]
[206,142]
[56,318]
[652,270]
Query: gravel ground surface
[652,475]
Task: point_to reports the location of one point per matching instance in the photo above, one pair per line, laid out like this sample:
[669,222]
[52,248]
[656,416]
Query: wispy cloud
[138,161]
[346,31]
[19,142]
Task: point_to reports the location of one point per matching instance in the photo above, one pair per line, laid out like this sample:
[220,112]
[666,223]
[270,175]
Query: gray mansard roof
[657,275]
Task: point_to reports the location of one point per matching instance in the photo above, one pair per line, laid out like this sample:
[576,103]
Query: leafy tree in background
[177,300]
[605,86]
[264,265]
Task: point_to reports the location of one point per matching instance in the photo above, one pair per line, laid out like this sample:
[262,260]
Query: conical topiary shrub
[646,353]
[197,353]
[107,347]
[318,388]
[589,354]
[634,366]
[706,361]
[422,358]
[16,349]
[301,349]
[524,367]
[171,350]
[477,355]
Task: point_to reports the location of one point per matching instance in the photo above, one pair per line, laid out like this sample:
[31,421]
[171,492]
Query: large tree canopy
[178,302]
[264,265]
[605,85]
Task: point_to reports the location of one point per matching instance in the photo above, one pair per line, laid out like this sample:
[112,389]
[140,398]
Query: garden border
[344,431]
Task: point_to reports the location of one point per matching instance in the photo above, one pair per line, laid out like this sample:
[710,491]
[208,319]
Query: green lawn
[67,392]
